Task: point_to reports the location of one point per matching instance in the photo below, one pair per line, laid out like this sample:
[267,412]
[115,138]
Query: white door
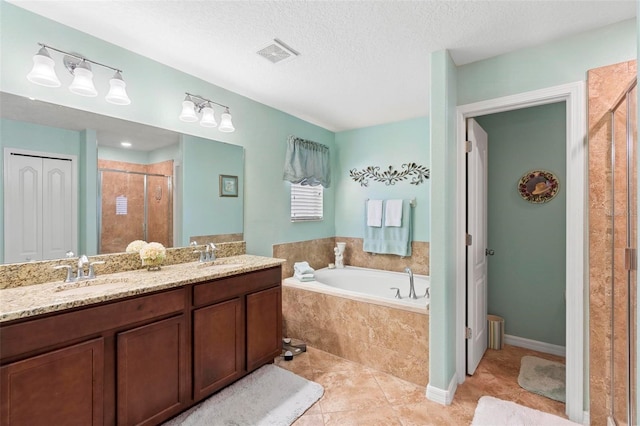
[40,205]
[477,168]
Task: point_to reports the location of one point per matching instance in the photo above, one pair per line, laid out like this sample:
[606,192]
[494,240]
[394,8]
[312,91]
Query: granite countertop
[27,301]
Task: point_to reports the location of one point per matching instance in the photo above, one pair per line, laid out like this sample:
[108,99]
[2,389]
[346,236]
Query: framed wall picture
[228,186]
[538,186]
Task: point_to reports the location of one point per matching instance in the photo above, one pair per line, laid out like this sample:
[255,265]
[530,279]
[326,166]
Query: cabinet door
[218,346]
[264,327]
[151,372]
[63,387]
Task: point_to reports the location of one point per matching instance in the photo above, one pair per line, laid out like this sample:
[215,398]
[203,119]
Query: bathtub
[352,313]
[369,285]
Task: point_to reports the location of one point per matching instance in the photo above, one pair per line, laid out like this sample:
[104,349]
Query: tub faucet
[412,290]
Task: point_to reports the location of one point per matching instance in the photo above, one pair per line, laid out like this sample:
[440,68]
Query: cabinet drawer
[41,333]
[227,288]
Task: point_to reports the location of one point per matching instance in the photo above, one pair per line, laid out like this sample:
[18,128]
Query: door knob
[489,252]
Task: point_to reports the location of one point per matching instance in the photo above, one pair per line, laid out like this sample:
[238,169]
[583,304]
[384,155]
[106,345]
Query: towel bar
[412,202]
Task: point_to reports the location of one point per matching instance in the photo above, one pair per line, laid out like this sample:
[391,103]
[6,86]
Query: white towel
[304,277]
[302,268]
[393,213]
[374,213]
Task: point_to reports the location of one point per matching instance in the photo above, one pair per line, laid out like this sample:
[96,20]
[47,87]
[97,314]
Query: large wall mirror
[68,183]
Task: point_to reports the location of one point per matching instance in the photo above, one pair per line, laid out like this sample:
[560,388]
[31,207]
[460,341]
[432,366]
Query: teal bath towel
[390,239]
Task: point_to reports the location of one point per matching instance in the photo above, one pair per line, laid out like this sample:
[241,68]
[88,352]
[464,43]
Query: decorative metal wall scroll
[538,186]
[417,173]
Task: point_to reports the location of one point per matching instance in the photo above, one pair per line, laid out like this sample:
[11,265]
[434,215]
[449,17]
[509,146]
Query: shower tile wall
[116,233]
[605,84]
[319,253]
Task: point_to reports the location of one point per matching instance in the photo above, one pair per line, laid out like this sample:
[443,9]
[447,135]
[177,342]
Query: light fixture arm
[79,57]
[200,105]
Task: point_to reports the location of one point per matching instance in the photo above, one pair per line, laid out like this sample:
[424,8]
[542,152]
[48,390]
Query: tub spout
[412,290]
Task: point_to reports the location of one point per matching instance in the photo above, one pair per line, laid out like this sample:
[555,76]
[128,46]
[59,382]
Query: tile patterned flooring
[359,395]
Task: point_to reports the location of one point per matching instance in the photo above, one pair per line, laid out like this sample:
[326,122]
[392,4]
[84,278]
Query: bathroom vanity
[139,348]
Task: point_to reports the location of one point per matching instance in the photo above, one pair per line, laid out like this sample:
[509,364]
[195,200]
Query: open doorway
[573,95]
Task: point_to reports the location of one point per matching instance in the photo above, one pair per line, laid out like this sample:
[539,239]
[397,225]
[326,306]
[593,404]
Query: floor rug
[497,412]
[544,377]
[269,396]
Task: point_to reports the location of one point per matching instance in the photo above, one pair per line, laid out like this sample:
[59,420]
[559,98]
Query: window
[306,202]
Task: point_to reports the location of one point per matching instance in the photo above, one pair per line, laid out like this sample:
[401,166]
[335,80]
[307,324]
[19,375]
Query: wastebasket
[496,331]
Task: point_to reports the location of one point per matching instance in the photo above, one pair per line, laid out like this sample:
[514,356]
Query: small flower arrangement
[135,246]
[152,255]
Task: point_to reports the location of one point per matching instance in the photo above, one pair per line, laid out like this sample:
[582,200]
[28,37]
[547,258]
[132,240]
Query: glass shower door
[623,289]
[134,206]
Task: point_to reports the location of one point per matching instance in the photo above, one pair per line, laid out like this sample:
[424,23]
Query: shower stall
[623,290]
[134,205]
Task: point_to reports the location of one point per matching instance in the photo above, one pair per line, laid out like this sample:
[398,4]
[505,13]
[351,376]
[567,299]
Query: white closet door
[57,211]
[23,209]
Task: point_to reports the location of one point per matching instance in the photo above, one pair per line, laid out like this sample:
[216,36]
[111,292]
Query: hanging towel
[302,268]
[390,239]
[374,213]
[393,213]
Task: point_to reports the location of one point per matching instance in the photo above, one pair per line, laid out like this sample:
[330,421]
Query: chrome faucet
[412,290]
[82,260]
[210,252]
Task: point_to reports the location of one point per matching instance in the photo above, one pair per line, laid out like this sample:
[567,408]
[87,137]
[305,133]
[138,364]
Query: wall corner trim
[442,396]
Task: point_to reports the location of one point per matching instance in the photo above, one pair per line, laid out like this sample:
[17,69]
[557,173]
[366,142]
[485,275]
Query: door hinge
[467,333]
[468,239]
[630,259]
[468,146]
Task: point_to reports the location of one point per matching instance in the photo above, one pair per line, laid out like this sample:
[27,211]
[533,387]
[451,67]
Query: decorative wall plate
[538,186]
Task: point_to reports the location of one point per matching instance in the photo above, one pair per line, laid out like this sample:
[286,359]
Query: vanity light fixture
[192,105]
[44,74]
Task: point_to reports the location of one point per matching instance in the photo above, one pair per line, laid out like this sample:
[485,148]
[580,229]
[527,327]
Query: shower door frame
[146,202]
[630,259]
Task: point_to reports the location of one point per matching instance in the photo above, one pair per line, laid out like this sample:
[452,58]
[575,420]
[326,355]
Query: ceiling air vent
[277,52]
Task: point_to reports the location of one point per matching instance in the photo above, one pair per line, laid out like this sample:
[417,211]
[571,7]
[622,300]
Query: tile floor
[359,395]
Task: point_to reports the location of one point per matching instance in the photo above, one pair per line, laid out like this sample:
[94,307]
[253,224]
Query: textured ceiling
[362,63]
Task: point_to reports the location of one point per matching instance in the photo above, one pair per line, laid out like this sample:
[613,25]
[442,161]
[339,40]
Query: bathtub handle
[397,296]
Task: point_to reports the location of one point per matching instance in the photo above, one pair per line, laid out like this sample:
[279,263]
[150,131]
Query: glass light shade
[225,122]
[117,92]
[83,81]
[188,113]
[43,72]
[208,118]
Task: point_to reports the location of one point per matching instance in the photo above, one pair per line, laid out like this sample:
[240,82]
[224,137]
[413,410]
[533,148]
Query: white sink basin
[216,265]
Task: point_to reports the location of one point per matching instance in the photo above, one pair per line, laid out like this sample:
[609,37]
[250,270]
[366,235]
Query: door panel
[57,208]
[476,257]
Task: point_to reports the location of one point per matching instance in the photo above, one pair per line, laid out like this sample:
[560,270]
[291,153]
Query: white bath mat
[270,396]
[497,412]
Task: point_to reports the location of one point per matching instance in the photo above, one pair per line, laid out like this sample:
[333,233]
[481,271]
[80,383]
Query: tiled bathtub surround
[387,339]
[605,85]
[21,274]
[319,253]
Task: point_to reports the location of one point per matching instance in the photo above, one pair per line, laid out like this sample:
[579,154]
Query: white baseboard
[444,397]
[586,418]
[535,345]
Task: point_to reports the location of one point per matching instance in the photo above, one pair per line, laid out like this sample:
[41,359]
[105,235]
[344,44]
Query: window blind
[306,202]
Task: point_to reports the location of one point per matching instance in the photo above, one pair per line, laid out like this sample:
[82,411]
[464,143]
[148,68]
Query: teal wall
[384,145]
[202,163]
[561,61]
[442,266]
[157,91]
[526,275]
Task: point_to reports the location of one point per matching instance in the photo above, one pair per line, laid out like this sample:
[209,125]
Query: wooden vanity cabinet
[139,360]
[61,387]
[250,304]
